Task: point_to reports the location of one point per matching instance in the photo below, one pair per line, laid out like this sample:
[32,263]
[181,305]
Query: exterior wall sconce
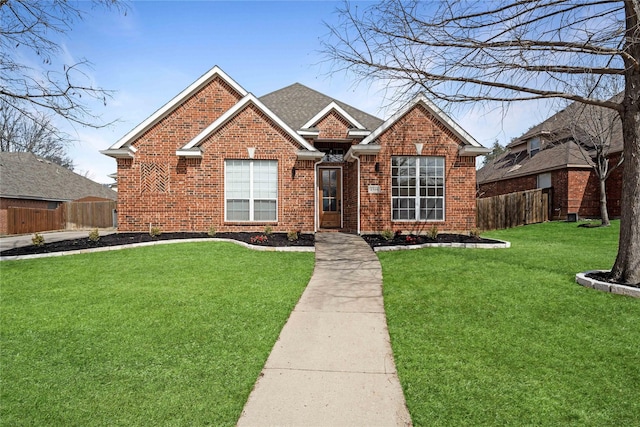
[293,172]
[377,167]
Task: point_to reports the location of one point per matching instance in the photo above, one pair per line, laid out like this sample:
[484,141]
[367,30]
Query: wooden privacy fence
[513,209]
[90,214]
[28,220]
[69,215]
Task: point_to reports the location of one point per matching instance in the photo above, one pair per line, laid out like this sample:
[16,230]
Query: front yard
[177,334]
[506,337]
[164,335]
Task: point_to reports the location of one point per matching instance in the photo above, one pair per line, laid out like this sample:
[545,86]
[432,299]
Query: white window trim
[533,152]
[417,196]
[251,198]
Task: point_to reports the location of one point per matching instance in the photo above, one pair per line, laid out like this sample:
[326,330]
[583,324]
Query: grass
[164,335]
[506,337]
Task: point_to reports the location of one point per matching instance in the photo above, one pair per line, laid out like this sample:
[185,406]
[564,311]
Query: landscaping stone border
[501,245]
[614,288]
[163,242]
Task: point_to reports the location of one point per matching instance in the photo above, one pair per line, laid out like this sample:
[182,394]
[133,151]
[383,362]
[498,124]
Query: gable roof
[249,99]
[513,164]
[24,176]
[560,149]
[447,121]
[333,106]
[170,106]
[297,104]
[559,126]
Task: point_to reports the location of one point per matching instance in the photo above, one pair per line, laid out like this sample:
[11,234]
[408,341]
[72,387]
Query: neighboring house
[548,156]
[27,181]
[295,159]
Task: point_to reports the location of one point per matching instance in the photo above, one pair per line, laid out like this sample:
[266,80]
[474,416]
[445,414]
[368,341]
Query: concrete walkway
[332,364]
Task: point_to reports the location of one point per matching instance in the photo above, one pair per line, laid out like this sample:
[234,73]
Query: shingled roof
[560,150]
[297,104]
[25,176]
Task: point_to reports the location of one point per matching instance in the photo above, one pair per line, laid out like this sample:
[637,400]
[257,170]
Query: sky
[158,48]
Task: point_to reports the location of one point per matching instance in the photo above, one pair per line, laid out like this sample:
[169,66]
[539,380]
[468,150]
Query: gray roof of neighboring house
[515,164]
[296,104]
[560,149]
[24,176]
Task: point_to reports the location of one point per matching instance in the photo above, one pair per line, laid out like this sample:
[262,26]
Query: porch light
[293,172]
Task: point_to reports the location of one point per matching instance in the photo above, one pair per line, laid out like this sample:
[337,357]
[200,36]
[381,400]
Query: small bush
[474,233]
[292,236]
[387,234]
[259,239]
[37,239]
[268,230]
[398,233]
[155,231]
[94,235]
[433,233]
[212,231]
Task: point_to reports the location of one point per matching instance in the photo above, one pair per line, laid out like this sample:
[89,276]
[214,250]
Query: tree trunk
[604,213]
[627,266]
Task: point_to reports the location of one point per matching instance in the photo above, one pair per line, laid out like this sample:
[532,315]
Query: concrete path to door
[332,364]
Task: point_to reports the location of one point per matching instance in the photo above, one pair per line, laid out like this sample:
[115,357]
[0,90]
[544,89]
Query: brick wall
[418,126]
[574,190]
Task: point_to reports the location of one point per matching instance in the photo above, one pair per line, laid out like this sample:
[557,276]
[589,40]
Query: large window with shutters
[417,188]
[251,190]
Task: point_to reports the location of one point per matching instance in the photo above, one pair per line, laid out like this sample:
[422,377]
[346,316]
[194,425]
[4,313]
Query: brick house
[549,156]
[294,159]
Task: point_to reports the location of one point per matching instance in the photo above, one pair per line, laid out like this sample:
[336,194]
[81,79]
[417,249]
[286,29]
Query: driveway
[18,241]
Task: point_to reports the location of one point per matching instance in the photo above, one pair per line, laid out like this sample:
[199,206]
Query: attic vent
[154,178]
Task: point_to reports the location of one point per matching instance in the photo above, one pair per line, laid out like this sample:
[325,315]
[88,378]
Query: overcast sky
[158,48]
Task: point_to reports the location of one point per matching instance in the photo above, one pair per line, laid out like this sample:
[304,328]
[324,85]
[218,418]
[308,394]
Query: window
[417,188]
[534,146]
[251,190]
[544,180]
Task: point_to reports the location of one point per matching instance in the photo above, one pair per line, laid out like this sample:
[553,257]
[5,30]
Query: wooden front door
[330,197]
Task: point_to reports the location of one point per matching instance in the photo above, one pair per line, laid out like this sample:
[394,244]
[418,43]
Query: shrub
[410,240]
[398,233]
[433,232]
[155,231]
[292,236]
[474,233]
[268,230]
[212,231]
[387,234]
[259,239]
[94,235]
[37,239]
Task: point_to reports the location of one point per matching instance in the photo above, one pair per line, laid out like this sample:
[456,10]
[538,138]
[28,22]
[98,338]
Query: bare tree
[28,28]
[505,51]
[597,132]
[40,137]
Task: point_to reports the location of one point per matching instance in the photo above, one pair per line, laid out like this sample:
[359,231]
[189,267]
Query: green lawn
[164,335]
[506,337]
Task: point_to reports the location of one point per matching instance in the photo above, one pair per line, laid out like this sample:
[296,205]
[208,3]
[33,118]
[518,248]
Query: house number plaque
[374,189]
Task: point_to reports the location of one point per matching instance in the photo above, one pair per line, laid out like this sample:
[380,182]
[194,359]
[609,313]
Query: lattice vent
[154,178]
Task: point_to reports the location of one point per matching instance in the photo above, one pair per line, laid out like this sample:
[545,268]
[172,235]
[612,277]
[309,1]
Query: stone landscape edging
[502,244]
[162,242]
[614,288]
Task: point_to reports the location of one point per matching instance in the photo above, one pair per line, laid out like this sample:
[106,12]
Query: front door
[330,197]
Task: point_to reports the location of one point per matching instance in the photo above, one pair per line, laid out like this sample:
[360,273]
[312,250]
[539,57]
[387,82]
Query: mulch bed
[257,239]
[605,276]
[118,239]
[376,240]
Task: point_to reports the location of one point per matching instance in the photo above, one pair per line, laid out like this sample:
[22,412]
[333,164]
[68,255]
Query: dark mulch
[117,239]
[375,240]
[605,276]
